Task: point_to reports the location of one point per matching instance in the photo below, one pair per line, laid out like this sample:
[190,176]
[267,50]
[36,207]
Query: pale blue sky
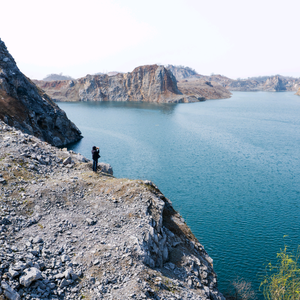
[235,38]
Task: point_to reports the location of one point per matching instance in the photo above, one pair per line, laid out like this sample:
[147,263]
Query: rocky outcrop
[181,72]
[146,84]
[25,106]
[70,233]
[151,83]
[274,84]
[298,92]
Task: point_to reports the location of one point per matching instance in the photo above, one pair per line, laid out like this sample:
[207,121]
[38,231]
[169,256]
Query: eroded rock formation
[147,83]
[274,84]
[25,106]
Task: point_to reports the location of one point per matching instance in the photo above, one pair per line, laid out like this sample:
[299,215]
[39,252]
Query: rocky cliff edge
[70,233]
[25,106]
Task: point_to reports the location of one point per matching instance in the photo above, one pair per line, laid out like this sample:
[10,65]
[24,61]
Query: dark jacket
[95,154]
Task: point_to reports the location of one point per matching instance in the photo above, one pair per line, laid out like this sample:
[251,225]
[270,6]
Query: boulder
[106,168]
[31,275]
[67,161]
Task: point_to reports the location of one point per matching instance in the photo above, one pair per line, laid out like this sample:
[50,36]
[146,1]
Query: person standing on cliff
[95,155]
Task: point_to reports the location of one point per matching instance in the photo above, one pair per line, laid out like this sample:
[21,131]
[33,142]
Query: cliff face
[25,106]
[70,233]
[146,83]
[298,92]
[274,84]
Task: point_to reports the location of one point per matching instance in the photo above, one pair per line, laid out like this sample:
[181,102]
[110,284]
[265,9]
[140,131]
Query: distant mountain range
[274,83]
[154,83]
[52,77]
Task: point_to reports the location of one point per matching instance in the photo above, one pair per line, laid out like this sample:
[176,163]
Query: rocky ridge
[52,77]
[275,83]
[25,106]
[151,83]
[69,233]
[272,84]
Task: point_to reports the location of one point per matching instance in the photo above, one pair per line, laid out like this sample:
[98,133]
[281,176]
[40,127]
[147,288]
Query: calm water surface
[231,168]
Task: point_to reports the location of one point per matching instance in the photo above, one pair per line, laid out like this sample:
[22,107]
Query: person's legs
[94,165]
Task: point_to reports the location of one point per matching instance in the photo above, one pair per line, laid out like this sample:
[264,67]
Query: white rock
[65,258]
[32,274]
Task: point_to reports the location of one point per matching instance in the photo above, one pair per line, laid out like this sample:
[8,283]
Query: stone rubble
[69,233]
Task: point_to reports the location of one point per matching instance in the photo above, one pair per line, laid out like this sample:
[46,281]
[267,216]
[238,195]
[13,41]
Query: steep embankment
[146,83]
[67,232]
[27,107]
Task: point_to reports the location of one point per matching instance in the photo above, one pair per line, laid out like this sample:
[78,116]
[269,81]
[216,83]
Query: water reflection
[165,108]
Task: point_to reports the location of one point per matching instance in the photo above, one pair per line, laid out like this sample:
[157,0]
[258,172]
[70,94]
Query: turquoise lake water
[231,168]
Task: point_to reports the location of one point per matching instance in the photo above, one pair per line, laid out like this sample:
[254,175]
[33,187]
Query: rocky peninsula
[150,83]
[69,233]
[147,84]
[25,106]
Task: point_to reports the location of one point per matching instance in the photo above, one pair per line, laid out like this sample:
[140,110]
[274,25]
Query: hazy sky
[235,38]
